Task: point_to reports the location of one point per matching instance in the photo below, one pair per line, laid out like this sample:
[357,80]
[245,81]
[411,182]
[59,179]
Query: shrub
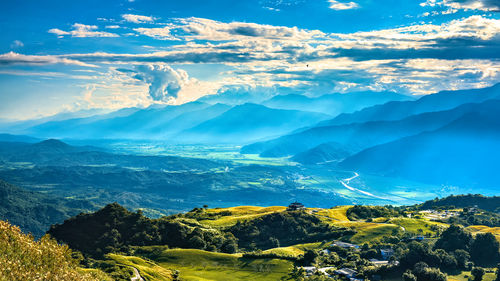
[23,258]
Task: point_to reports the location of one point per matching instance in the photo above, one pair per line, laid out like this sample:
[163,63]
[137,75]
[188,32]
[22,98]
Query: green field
[464,276]
[147,269]
[241,213]
[484,229]
[202,265]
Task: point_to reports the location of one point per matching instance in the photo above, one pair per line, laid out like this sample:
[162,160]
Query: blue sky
[64,56]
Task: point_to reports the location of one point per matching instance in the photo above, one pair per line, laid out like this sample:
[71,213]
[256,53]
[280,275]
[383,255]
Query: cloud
[12,58]
[398,59]
[82,30]
[481,5]
[205,29]
[16,44]
[164,82]
[160,33]
[336,5]
[137,18]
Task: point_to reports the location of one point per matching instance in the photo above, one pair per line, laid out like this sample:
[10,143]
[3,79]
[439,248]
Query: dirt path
[137,276]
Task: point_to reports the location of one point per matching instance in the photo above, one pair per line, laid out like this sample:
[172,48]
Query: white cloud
[82,30]
[16,44]
[206,29]
[12,58]
[137,18]
[337,5]
[454,5]
[160,33]
[164,82]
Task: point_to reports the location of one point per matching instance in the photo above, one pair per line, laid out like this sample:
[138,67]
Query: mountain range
[211,119]
[365,131]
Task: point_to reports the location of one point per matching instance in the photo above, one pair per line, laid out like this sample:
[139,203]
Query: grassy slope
[202,265]
[147,269]
[298,249]
[241,213]
[483,229]
[462,276]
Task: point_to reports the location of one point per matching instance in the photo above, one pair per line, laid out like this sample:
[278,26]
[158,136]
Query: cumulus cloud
[337,5]
[137,18]
[164,82]
[82,30]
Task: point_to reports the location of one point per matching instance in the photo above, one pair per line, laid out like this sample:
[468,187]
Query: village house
[386,253]
[349,273]
[295,206]
[345,245]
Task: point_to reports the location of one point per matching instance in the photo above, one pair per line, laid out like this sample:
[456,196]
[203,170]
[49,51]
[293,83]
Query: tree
[309,257]
[478,273]
[454,238]
[425,273]
[408,276]
[462,258]
[485,249]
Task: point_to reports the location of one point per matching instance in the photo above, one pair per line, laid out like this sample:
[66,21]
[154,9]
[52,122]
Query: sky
[87,55]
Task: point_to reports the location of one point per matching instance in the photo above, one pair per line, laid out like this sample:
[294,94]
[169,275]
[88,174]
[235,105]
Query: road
[137,276]
[345,183]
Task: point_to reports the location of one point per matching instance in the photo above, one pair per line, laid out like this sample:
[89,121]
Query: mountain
[133,125]
[187,120]
[466,153]
[333,104]
[34,212]
[358,136]
[21,127]
[482,202]
[325,152]
[57,153]
[17,138]
[396,110]
[249,122]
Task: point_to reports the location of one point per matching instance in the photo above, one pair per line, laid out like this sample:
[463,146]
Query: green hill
[34,212]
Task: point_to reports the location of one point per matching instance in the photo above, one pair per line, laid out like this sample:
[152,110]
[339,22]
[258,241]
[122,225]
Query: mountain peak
[52,143]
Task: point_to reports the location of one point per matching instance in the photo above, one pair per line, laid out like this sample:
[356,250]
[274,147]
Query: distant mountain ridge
[466,152]
[356,136]
[249,122]
[333,104]
[169,122]
[396,110]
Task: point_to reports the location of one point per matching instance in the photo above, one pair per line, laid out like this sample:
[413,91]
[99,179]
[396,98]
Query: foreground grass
[202,265]
[23,258]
